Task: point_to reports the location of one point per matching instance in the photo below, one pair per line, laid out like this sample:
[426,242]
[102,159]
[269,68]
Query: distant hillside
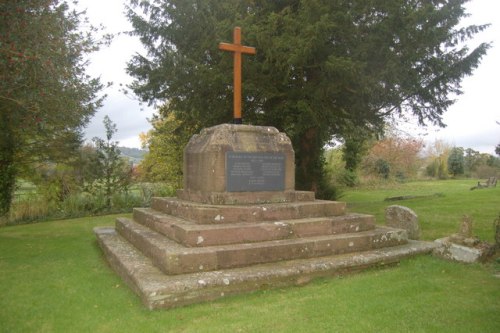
[134,154]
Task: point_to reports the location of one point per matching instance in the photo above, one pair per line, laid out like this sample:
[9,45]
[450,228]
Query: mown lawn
[53,278]
[440,205]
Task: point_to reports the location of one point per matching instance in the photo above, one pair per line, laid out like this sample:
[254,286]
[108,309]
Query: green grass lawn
[53,278]
[439,215]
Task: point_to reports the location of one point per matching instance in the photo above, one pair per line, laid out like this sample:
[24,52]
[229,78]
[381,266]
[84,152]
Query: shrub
[150,190]
[486,171]
[33,206]
[126,201]
[28,208]
[349,178]
[383,168]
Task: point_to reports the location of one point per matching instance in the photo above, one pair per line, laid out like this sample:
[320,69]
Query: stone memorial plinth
[230,164]
[239,225]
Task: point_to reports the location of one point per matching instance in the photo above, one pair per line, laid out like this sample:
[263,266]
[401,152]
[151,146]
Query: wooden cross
[238,49]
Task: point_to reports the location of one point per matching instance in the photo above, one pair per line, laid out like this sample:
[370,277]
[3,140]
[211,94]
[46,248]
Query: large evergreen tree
[323,68]
[456,161]
[45,95]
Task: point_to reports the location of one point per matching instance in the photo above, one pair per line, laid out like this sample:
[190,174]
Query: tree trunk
[309,166]
[7,167]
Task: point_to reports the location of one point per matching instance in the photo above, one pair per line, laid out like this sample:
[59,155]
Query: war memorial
[239,225]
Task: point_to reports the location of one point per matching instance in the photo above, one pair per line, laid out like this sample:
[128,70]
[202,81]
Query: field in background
[54,279]
[440,205]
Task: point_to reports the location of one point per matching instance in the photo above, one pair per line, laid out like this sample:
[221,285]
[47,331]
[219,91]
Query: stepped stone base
[218,214]
[231,198]
[180,252]
[173,258]
[212,240]
[191,234]
[158,290]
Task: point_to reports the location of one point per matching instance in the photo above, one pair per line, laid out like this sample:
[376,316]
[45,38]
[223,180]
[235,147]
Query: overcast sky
[471,120]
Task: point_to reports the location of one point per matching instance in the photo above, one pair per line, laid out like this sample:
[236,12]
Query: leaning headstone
[464,236]
[466,227]
[403,218]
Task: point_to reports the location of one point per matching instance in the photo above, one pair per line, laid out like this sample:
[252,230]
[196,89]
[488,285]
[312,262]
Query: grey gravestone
[403,218]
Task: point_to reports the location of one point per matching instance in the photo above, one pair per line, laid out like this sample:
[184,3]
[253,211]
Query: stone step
[238,198]
[219,214]
[173,258]
[198,235]
[158,290]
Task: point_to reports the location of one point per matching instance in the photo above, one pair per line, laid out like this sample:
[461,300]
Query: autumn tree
[165,143]
[46,97]
[323,69]
[480,164]
[437,159]
[394,156]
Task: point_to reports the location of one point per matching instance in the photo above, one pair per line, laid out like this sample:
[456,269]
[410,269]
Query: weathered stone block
[258,253]
[236,198]
[352,223]
[181,262]
[224,214]
[157,290]
[311,227]
[210,235]
[391,237]
[174,258]
[205,155]
[154,220]
[192,234]
[403,218]
[449,250]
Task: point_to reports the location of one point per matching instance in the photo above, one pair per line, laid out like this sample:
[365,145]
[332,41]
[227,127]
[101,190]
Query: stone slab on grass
[449,250]
[158,290]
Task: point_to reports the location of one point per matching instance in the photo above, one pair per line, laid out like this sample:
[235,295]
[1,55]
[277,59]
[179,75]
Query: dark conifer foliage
[46,97]
[323,68]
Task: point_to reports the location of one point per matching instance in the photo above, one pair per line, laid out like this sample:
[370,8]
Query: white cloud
[471,121]
[109,64]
